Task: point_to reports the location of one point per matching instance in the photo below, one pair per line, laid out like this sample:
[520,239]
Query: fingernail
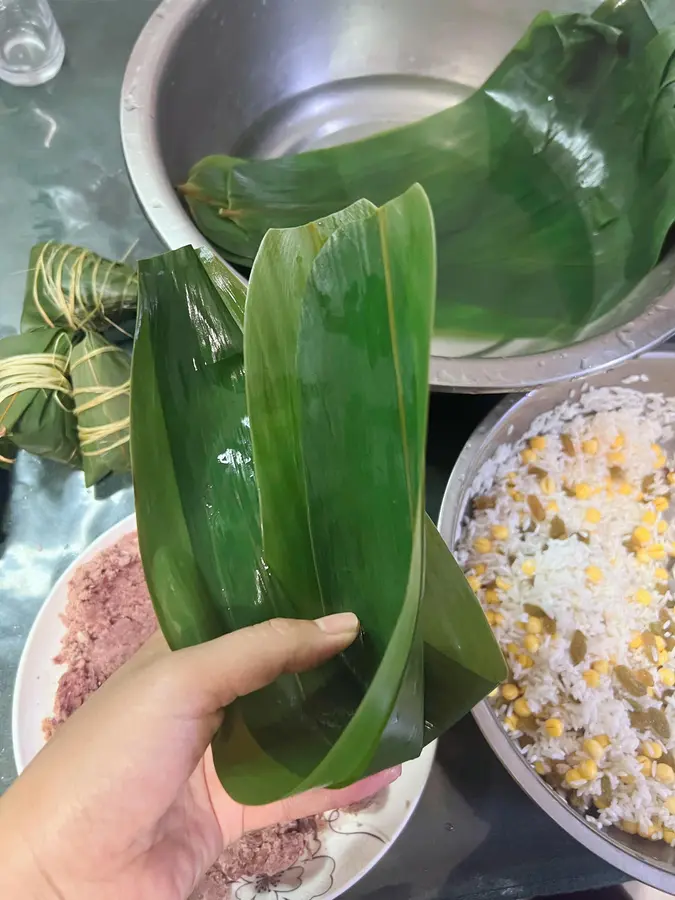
[339,623]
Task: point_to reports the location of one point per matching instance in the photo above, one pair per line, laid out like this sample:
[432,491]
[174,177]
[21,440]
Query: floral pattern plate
[347,846]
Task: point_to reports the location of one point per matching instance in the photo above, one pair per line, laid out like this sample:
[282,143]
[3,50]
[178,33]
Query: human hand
[124,801]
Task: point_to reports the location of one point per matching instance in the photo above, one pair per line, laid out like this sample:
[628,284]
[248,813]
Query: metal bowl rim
[601,843]
[172,223]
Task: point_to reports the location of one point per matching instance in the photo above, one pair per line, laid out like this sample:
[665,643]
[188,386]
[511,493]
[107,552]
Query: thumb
[214,674]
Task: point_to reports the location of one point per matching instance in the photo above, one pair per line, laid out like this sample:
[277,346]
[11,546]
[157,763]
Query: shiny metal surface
[651,862]
[268,77]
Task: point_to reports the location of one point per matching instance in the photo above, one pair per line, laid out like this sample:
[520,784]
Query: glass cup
[31,45]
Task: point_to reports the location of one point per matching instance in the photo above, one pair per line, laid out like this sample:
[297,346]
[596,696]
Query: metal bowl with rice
[652,862]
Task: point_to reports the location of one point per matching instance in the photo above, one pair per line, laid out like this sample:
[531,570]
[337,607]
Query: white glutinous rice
[569,548]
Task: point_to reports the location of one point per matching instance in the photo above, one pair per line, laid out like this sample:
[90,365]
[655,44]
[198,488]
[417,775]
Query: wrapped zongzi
[74,288]
[100,375]
[36,401]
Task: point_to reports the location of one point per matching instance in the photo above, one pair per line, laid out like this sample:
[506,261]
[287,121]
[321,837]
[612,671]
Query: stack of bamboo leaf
[552,186]
[64,387]
[280,472]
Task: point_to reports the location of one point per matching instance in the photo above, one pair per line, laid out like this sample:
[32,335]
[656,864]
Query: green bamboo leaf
[100,373]
[36,402]
[551,186]
[347,329]
[231,290]
[74,288]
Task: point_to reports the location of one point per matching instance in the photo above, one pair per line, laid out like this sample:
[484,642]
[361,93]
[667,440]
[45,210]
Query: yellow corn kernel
[511,477]
[645,766]
[511,722]
[594,574]
[540,768]
[603,740]
[538,442]
[650,691]
[482,545]
[529,567]
[534,625]
[659,642]
[647,832]
[531,643]
[670,805]
[667,676]
[616,459]
[554,728]
[658,449]
[582,491]
[593,515]
[668,836]
[670,477]
[651,749]
[627,779]
[547,485]
[661,574]
[498,618]
[594,749]
[665,773]
[500,532]
[643,597]
[642,556]
[650,517]
[640,535]
[660,462]
[522,626]
[601,666]
[635,641]
[514,649]
[618,442]
[662,527]
[628,826]
[525,661]
[528,456]
[522,708]
[552,507]
[474,583]
[502,583]
[510,691]
[574,778]
[492,598]
[625,489]
[588,769]
[590,447]
[664,656]
[490,616]
[661,503]
[592,678]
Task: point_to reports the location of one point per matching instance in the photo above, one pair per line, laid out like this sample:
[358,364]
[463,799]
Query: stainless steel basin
[651,862]
[268,77]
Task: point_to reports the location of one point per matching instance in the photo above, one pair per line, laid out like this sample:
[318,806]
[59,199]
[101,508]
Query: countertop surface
[62,177]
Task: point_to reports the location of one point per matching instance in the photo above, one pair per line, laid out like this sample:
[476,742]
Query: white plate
[347,849]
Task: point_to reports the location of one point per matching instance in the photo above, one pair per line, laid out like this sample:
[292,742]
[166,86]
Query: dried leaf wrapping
[100,374]
[217,527]
[555,179]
